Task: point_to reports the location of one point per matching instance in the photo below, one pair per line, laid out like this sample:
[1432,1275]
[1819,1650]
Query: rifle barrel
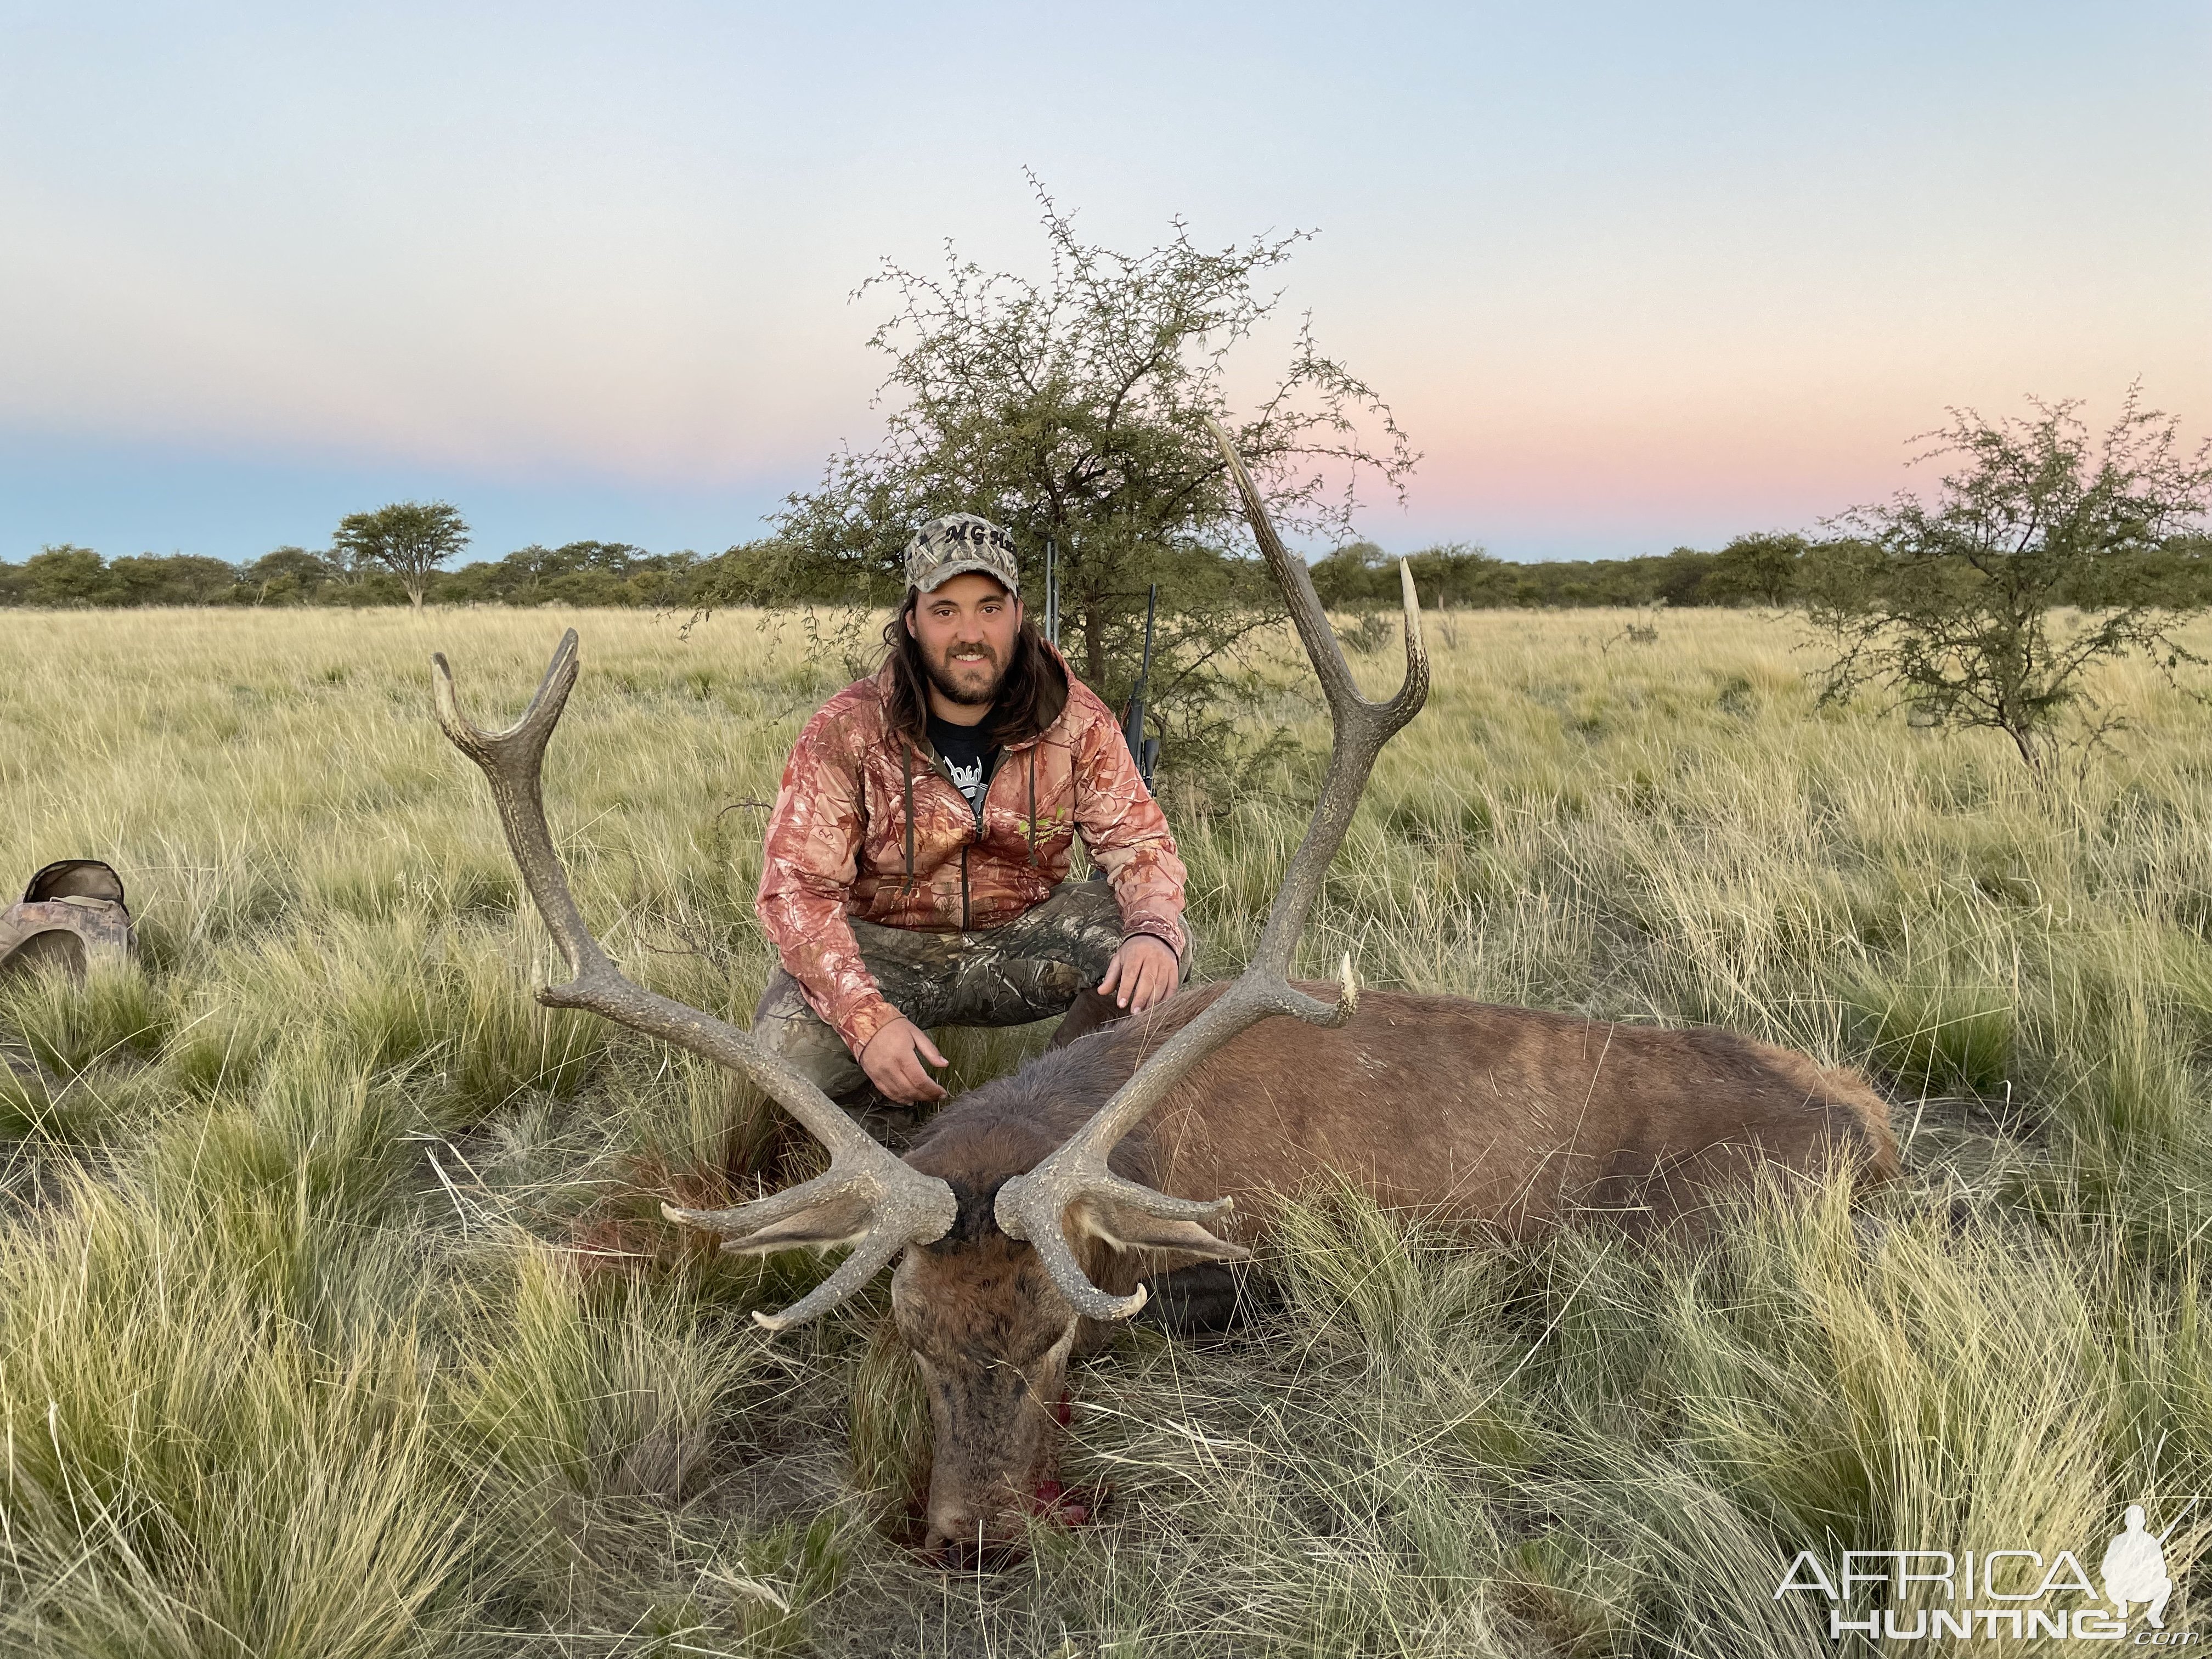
[1051,594]
[1146,753]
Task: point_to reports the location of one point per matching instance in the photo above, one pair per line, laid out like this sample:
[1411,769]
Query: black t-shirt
[966,755]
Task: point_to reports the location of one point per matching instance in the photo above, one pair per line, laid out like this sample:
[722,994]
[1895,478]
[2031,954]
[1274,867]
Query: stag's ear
[1128,1229]
[828,1225]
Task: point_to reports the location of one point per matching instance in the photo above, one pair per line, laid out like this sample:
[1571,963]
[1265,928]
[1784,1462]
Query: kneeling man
[915,864]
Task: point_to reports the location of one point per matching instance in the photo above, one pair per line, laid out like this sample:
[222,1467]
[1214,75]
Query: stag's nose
[972,1551]
[967,1546]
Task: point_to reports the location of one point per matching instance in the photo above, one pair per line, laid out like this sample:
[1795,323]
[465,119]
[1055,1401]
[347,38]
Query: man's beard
[972,693]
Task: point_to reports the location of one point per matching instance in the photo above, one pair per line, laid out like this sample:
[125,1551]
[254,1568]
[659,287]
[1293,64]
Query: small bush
[1934,1038]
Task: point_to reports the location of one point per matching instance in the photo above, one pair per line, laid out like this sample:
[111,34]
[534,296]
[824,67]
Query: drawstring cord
[1033,851]
[906,782]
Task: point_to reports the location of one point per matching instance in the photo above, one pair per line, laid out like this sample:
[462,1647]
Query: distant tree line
[577,574]
[1768,570]
[1751,570]
[1846,574]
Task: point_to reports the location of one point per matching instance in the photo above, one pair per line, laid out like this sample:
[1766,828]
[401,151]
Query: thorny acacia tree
[409,538]
[1953,604]
[1073,409]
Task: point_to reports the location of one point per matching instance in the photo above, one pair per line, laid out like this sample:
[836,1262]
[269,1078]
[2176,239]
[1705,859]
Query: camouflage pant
[1045,962]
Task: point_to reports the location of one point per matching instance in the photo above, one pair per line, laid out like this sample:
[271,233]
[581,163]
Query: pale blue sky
[1631,275]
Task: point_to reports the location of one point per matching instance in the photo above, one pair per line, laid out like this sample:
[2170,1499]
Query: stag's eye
[1042,1350]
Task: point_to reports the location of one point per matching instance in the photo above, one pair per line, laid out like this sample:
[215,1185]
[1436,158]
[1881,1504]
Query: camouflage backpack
[71,916]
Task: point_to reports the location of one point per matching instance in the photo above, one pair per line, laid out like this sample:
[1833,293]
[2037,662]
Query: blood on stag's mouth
[1069,1506]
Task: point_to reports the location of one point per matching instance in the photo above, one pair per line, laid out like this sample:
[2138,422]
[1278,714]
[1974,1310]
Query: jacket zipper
[982,796]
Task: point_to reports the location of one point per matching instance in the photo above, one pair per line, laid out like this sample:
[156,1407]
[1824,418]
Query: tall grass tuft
[190,1471]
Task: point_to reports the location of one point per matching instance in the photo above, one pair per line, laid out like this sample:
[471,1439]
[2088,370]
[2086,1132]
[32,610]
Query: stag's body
[1506,1121]
[1510,1119]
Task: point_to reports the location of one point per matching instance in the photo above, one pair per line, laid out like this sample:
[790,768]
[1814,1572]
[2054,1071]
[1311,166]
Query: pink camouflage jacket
[841,843]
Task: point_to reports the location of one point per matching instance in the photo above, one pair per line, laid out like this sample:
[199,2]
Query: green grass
[336,1317]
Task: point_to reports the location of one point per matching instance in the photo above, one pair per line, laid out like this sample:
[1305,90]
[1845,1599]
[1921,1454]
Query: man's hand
[893,1059]
[1143,972]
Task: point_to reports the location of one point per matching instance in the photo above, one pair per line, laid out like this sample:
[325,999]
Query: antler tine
[1034,1206]
[512,762]
[906,1206]
[1360,727]
[854,1272]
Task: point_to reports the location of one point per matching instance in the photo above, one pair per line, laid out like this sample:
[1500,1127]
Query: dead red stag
[1033,1210]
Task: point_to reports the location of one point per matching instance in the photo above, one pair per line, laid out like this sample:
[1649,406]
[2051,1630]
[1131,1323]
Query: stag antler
[890,1203]
[1034,1206]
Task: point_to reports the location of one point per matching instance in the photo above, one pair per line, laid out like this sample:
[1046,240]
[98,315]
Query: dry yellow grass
[299,1355]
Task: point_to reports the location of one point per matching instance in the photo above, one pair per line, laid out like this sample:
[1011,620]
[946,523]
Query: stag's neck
[1006,1126]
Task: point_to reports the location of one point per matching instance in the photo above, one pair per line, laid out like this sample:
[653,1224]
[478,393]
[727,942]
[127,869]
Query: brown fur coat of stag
[1509,1120]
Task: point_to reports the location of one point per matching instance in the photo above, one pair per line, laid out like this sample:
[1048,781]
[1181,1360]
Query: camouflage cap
[958,542]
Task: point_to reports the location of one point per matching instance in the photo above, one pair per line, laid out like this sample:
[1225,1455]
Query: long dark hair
[1030,696]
